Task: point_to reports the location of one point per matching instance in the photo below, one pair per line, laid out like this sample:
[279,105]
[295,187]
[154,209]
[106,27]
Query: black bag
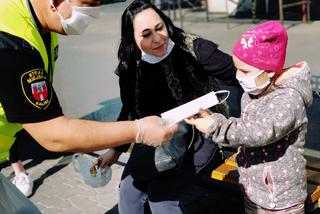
[146,162]
[170,155]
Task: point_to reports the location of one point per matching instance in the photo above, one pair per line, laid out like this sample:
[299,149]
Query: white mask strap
[222,92]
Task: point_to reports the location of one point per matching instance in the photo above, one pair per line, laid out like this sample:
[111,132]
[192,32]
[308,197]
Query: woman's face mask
[80,18]
[249,85]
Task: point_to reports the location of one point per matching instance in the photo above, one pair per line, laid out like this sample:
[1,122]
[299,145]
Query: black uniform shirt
[26,94]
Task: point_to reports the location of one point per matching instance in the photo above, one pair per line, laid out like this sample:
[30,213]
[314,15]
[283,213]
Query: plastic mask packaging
[192,107]
[248,83]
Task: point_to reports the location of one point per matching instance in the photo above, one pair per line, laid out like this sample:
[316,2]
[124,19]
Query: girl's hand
[201,121]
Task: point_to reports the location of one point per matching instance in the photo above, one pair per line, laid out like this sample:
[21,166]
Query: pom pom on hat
[263,46]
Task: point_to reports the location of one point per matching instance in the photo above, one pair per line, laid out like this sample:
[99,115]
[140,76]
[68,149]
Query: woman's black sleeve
[122,116]
[215,62]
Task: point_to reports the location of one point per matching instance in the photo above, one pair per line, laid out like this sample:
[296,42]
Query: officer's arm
[27,98]
[62,134]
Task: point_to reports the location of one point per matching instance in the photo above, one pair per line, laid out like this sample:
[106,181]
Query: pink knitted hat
[263,46]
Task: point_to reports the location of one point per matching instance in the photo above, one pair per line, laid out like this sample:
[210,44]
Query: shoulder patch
[36,88]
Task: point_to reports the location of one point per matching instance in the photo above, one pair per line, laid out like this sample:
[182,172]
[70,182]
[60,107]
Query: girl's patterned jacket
[271,134]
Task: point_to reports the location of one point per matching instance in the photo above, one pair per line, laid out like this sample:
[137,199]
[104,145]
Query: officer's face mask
[80,18]
[249,85]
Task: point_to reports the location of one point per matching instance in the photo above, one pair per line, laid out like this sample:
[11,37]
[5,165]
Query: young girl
[270,134]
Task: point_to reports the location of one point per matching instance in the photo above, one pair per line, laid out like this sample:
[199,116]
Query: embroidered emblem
[246,44]
[39,90]
[36,88]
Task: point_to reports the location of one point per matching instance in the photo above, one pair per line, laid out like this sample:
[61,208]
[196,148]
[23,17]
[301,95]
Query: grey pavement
[85,81]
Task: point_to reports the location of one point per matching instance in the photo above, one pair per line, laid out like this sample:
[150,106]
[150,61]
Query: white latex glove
[153,131]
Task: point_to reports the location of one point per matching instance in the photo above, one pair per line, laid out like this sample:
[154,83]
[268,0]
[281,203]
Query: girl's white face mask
[249,85]
[80,18]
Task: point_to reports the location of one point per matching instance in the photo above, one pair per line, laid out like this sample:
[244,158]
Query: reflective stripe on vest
[16,19]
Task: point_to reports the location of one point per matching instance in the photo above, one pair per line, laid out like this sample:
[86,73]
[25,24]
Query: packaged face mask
[91,173]
[191,108]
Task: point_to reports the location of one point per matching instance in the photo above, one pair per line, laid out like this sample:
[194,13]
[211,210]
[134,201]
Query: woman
[161,67]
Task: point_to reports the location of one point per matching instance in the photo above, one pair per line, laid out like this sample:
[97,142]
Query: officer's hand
[154,131]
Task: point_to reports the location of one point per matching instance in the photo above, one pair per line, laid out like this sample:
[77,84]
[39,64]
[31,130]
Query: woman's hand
[202,121]
[108,158]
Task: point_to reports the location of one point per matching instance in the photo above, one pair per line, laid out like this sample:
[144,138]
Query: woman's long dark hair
[129,54]
[128,51]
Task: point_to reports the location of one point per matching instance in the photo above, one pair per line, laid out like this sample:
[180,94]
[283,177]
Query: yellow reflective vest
[16,19]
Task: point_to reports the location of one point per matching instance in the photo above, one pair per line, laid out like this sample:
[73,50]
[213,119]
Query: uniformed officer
[28,50]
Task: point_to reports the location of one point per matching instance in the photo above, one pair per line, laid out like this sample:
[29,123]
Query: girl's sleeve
[281,116]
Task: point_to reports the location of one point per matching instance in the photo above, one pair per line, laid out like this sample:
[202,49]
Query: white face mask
[155,59]
[249,85]
[80,18]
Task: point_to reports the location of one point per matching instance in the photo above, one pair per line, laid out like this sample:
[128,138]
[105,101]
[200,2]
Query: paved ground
[84,81]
